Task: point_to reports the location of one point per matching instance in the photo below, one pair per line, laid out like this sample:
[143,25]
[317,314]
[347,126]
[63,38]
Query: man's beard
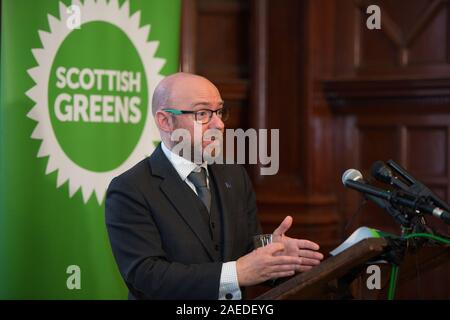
[193,149]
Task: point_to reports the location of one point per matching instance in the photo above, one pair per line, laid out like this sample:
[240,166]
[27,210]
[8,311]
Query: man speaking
[183,230]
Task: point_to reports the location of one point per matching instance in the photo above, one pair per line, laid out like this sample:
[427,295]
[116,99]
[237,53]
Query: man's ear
[163,121]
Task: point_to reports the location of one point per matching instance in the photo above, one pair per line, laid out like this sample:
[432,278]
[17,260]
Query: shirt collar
[183,166]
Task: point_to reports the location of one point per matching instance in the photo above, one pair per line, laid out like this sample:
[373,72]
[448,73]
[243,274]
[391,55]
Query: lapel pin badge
[228,185]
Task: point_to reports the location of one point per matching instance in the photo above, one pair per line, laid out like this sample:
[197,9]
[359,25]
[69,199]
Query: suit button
[216,247]
[228,296]
[213,225]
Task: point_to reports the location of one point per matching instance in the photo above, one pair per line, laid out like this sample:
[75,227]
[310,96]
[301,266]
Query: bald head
[181,89]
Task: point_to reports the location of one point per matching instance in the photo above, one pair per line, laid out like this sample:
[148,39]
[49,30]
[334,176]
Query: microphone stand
[403,207]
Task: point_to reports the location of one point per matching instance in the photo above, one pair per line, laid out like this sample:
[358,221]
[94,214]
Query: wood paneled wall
[343,96]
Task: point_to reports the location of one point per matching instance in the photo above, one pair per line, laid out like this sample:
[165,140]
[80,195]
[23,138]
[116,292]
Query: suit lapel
[224,188]
[175,190]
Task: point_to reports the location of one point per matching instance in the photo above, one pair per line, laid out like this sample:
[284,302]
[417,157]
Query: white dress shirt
[229,286]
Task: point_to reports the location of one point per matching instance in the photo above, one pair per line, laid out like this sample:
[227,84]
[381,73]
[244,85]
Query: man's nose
[216,123]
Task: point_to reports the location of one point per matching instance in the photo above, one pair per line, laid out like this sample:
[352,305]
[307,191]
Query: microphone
[418,187]
[353,175]
[352,179]
[383,173]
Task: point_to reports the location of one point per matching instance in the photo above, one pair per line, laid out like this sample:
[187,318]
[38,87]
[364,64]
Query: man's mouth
[209,139]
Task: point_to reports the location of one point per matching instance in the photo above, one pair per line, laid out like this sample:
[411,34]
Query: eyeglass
[202,116]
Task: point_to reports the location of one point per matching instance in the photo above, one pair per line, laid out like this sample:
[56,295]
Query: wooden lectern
[344,276]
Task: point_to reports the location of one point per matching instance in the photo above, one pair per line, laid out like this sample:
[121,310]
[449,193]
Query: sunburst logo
[93,87]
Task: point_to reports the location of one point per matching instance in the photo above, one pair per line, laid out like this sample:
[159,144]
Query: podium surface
[343,276]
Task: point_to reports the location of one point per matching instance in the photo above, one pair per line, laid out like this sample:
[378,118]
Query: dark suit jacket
[161,244]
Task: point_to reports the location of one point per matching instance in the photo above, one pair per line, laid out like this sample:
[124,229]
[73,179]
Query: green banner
[75,111]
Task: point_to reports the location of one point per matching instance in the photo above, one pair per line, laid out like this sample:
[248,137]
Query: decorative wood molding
[388,26]
[424,19]
[394,32]
[408,90]
[403,40]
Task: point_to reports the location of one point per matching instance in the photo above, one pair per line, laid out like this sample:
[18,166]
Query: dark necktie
[199,181]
